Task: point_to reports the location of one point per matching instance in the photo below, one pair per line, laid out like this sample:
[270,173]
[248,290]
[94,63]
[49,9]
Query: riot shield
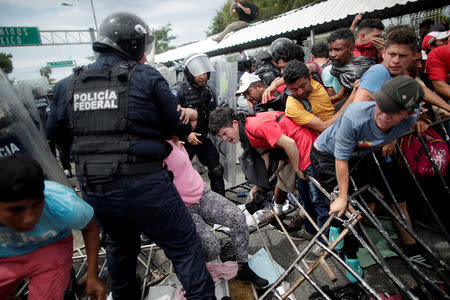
[24,93]
[224,80]
[168,74]
[19,134]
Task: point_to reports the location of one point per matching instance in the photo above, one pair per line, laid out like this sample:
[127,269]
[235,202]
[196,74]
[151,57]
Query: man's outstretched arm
[95,288]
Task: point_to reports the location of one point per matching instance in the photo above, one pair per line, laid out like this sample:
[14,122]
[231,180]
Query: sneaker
[296,223]
[354,264]
[286,206]
[281,208]
[68,173]
[332,236]
[278,208]
[301,235]
[245,273]
[314,253]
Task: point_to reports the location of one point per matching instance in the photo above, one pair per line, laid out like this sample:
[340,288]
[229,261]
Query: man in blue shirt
[398,53]
[36,222]
[364,127]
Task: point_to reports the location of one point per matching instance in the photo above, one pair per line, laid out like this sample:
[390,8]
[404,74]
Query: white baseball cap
[246,80]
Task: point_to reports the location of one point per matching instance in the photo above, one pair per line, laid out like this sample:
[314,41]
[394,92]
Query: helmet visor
[149,51]
[199,64]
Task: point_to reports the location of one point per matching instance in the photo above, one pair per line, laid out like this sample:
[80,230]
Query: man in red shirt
[265,131]
[369,42]
[438,69]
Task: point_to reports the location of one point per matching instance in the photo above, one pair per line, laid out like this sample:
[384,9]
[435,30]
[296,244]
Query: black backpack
[255,11]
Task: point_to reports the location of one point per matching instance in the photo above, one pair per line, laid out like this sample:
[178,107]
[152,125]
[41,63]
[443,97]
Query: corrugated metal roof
[293,21]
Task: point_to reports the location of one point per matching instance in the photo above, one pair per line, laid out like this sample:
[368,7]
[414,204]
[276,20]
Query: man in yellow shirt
[309,105]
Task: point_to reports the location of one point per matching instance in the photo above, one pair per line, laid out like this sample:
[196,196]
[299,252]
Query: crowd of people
[132,139]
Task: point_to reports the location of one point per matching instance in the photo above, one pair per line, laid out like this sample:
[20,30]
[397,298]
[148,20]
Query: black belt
[119,169]
[114,185]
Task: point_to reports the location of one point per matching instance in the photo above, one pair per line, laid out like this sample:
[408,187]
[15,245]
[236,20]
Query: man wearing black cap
[364,127]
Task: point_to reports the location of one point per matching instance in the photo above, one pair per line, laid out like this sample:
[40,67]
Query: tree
[267,9]
[6,62]
[46,71]
[163,39]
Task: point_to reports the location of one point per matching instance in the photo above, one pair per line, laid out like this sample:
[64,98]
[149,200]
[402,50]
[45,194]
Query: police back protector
[97,106]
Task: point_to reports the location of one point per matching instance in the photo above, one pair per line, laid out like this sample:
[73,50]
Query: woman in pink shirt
[208,207]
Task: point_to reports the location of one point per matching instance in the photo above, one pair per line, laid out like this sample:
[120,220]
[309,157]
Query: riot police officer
[63,145]
[195,93]
[120,112]
[266,69]
[179,72]
[245,63]
[41,101]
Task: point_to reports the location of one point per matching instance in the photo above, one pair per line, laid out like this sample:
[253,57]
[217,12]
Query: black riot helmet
[125,33]
[196,64]
[278,44]
[245,62]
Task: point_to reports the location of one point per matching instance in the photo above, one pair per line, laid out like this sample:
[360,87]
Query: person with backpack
[246,11]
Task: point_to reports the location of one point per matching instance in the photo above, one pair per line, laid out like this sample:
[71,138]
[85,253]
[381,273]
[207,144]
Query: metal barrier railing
[357,209]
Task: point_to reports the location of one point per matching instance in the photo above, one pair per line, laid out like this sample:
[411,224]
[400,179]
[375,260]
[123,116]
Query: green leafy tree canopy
[6,62]
[163,38]
[267,9]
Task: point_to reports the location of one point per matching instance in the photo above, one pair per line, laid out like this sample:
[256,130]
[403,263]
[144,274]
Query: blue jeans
[314,202]
[153,206]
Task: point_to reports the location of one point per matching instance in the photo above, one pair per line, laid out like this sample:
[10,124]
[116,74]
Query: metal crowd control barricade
[150,276]
[356,210]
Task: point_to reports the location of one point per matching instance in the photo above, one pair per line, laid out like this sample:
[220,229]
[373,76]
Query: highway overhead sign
[61,64]
[19,36]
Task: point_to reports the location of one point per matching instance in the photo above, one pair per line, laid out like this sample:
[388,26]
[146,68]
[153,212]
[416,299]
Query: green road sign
[19,36]
[61,64]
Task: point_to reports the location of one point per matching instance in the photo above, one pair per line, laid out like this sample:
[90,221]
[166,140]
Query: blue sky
[189,19]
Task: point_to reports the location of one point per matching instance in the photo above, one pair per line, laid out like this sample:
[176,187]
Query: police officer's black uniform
[203,100]
[120,113]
